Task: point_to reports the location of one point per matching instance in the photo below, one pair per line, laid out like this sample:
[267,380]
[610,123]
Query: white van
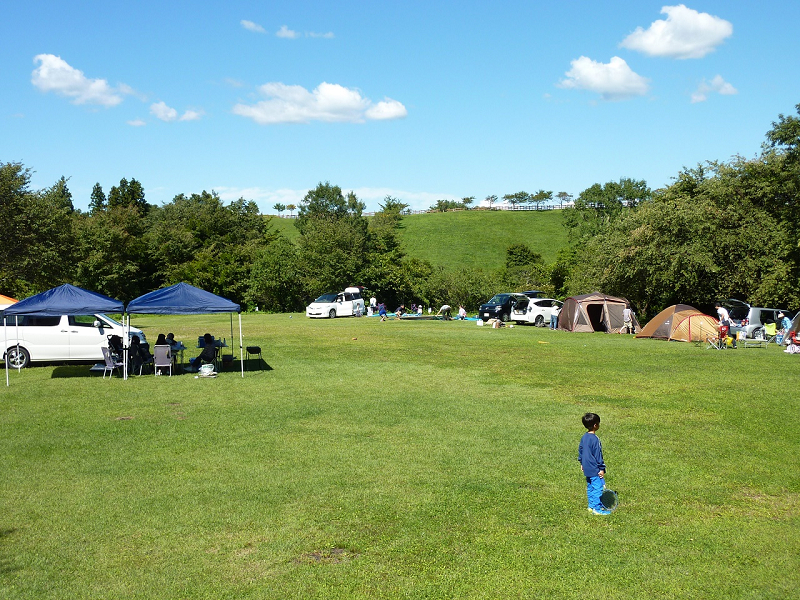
[344,304]
[62,338]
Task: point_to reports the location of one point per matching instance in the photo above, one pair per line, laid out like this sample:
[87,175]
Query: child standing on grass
[590,455]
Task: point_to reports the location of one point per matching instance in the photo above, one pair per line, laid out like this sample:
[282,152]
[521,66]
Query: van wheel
[539,322]
[18,358]
[504,318]
[332,313]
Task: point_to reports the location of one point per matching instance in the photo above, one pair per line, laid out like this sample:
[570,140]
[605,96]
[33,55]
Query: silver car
[752,319]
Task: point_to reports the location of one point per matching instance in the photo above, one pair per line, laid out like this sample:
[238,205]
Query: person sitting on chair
[207,355]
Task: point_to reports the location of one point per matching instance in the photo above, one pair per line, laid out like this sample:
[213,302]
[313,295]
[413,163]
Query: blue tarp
[65,300]
[181,299]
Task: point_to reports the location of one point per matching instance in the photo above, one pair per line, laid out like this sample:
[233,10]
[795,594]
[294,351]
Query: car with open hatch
[752,319]
[348,303]
[500,306]
[535,310]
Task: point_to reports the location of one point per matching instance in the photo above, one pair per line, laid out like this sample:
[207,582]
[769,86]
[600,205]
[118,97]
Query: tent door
[595,312]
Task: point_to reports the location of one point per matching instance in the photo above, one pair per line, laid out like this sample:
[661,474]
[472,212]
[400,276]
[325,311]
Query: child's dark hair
[590,420]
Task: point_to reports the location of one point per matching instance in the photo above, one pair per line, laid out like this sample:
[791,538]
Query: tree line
[721,229]
[124,247]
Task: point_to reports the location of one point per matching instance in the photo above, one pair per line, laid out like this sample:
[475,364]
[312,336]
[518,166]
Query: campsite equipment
[609,500]
[50,314]
[594,312]
[185,299]
[680,323]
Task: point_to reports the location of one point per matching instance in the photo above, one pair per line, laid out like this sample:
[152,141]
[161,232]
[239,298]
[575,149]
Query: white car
[60,338]
[535,310]
[344,304]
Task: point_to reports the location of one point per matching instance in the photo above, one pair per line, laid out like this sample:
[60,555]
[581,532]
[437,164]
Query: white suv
[535,310]
[348,303]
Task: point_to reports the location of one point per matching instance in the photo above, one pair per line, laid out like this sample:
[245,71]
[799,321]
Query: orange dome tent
[681,323]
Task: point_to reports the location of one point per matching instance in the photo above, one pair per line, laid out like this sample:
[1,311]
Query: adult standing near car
[555,309]
[785,322]
[724,321]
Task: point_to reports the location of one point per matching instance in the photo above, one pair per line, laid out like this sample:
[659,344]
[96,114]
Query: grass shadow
[69,371]
[257,364]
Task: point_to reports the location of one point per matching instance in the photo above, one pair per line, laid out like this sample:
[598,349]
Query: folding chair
[720,341]
[162,359]
[145,359]
[111,363]
[771,332]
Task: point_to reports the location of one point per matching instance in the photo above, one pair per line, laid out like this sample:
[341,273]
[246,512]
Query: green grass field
[472,239]
[404,460]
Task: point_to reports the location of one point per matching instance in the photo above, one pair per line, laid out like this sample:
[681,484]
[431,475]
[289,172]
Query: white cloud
[328,102]
[54,75]
[166,113]
[250,26]
[717,85]
[385,110]
[285,32]
[161,111]
[192,115]
[137,123]
[613,81]
[685,33]
[327,36]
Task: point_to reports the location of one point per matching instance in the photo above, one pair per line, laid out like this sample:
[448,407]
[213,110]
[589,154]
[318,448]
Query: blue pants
[553,321]
[594,487]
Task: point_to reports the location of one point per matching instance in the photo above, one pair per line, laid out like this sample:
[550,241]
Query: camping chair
[115,345]
[162,359]
[719,341]
[144,359]
[112,363]
[771,332]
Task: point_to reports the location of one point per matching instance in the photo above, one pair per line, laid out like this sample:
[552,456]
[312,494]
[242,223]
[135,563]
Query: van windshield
[498,299]
[326,298]
[108,320]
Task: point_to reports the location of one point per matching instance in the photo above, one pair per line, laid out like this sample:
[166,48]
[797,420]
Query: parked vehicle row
[523,307]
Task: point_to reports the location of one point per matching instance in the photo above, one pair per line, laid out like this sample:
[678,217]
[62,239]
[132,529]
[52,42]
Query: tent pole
[241,354]
[127,334]
[5,348]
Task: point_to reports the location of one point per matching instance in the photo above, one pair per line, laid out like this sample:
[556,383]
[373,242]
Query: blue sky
[417,100]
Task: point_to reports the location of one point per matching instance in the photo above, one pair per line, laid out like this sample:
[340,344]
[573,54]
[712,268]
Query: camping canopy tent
[62,300]
[185,299]
[682,323]
[593,312]
[65,300]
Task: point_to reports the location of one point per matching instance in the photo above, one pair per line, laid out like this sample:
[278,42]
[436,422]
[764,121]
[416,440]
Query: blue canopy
[65,300]
[181,299]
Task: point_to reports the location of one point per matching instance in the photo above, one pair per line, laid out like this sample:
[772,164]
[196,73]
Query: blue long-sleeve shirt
[590,455]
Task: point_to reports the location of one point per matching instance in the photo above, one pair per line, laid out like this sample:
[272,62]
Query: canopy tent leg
[241,354]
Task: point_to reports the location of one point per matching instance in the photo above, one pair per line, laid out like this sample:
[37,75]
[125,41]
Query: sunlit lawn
[404,460]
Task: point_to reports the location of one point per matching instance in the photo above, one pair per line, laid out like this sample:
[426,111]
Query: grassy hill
[475,238]
[479,238]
